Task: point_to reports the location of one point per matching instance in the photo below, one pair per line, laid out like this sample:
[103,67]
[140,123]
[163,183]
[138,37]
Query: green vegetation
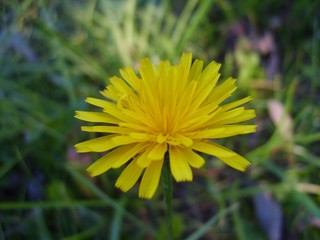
[53,54]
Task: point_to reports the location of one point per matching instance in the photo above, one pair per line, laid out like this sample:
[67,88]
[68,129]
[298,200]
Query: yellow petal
[114,111]
[105,129]
[222,117]
[100,144]
[236,103]
[205,109]
[110,93]
[195,70]
[98,102]
[184,67]
[171,94]
[122,140]
[201,122]
[107,161]
[229,157]
[194,159]
[120,85]
[237,162]
[208,75]
[109,108]
[148,74]
[139,118]
[158,151]
[186,99]
[232,130]
[164,84]
[207,82]
[129,176]
[179,165]
[115,159]
[147,70]
[150,179]
[212,149]
[96,117]
[244,116]
[222,91]
[186,60]
[208,133]
[142,160]
[203,94]
[134,126]
[184,140]
[139,136]
[136,149]
[130,77]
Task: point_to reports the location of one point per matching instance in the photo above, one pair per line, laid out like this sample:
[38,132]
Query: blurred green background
[54,54]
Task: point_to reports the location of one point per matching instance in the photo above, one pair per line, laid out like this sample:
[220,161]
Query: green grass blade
[117,222]
[112,203]
[183,20]
[196,19]
[206,227]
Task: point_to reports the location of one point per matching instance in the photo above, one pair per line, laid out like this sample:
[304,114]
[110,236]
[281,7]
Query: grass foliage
[54,54]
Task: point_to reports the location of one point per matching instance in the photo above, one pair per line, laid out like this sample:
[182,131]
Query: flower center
[174,140]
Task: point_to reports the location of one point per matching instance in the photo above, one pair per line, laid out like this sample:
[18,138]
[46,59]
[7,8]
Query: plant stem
[167,189]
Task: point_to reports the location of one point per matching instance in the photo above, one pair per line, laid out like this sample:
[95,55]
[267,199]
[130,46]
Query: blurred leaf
[23,47]
[281,119]
[309,188]
[248,64]
[57,190]
[269,214]
[305,201]
[117,222]
[112,203]
[201,231]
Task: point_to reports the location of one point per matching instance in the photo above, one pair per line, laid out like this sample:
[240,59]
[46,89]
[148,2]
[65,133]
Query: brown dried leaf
[281,119]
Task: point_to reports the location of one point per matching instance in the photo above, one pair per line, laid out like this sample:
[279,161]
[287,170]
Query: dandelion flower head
[169,110]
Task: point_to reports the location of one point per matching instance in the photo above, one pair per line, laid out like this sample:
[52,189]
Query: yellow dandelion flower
[169,109]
